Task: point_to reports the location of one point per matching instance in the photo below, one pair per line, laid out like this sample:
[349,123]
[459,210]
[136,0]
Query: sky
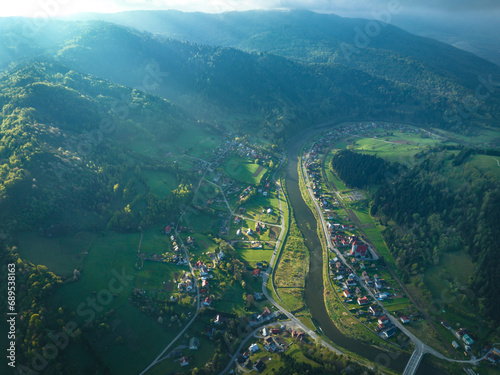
[44,8]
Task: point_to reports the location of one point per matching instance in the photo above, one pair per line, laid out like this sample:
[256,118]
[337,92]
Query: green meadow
[399,148]
[486,163]
[60,254]
[244,170]
[160,183]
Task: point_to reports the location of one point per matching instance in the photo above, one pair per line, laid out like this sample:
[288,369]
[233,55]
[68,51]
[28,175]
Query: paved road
[420,347]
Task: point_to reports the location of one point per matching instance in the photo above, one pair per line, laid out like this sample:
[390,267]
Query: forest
[360,170]
[439,208]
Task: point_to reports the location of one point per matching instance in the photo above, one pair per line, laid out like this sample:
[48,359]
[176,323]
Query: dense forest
[438,208]
[214,81]
[360,170]
[59,127]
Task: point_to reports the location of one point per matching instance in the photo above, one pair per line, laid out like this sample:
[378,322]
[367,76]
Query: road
[420,348]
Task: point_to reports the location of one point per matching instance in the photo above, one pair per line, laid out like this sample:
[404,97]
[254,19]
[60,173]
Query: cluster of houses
[462,335]
[204,275]
[385,327]
[272,342]
[265,316]
[245,192]
[186,283]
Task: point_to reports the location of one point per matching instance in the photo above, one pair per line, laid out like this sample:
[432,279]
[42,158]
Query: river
[314,281]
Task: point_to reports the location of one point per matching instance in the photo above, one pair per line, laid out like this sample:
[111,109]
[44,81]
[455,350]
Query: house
[265,313]
[383,320]
[194,343]
[404,319]
[299,335]
[217,319]
[351,282]
[269,210]
[184,361]
[204,283]
[207,301]
[455,344]
[254,348]
[390,332]
[220,255]
[373,310]
[275,331]
[259,366]
[265,193]
[238,232]
[363,301]
[347,294]
[264,332]
[167,229]
[359,250]
[256,272]
[467,339]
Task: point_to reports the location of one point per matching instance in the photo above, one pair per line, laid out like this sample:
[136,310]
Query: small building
[404,319]
[383,320]
[390,332]
[275,331]
[264,332]
[259,366]
[347,294]
[254,348]
[256,272]
[194,343]
[184,361]
[455,344]
[363,301]
[467,339]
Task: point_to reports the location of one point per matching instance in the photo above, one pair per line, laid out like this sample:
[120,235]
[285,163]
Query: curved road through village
[420,348]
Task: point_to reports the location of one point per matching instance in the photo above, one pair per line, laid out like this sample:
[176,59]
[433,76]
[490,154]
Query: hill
[305,64]
[66,147]
[374,47]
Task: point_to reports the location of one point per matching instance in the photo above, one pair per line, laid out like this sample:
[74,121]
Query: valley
[195,202]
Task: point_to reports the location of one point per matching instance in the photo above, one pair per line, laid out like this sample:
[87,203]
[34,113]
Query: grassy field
[160,183]
[243,170]
[486,163]
[254,208]
[393,149]
[484,138]
[154,241]
[252,256]
[200,221]
[192,140]
[108,256]
[60,254]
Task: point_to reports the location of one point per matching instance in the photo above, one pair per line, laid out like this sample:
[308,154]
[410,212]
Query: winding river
[314,282]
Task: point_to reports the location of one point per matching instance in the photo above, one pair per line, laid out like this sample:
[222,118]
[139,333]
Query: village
[364,268]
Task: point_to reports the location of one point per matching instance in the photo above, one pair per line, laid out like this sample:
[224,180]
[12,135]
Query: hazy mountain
[314,69]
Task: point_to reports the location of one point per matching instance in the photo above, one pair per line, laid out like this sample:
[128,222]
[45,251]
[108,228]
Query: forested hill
[377,48]
[214,81]
[360,170]
[446,205]
[66,141]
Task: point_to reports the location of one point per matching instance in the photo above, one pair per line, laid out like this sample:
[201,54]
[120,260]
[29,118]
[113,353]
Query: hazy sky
[44,8]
